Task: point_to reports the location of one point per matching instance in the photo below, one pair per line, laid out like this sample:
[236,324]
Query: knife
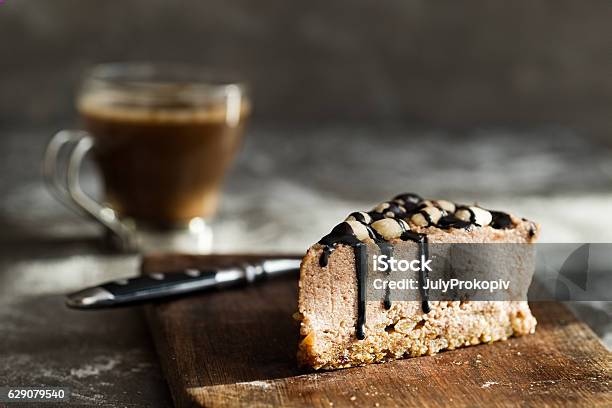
[161,285]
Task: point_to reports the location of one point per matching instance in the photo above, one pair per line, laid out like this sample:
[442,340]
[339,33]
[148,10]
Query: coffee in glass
[162,137]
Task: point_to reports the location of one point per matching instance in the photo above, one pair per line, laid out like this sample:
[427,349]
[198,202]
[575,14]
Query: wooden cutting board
[237,348]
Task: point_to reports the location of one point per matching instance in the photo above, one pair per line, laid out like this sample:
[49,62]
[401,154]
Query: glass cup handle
[66,187]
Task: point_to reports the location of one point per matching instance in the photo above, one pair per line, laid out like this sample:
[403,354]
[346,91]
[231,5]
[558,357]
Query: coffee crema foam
[107,107]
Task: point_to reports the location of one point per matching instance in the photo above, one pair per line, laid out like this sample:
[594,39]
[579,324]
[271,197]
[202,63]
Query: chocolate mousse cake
[340,327]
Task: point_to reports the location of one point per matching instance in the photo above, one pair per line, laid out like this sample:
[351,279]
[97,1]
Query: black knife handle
[161,285]
[152,286]
[159,282]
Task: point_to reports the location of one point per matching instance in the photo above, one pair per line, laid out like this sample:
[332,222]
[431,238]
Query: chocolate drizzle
[359,216]
[410,201]
[450,221]
[361,266]
[376,215]
[501,220]
[327,251]
[402,207]
[386,249]
[427,217]
[391,209]
[340,234]
[532,231]
[469,210]
[343,234]
[420,239]
[423,275]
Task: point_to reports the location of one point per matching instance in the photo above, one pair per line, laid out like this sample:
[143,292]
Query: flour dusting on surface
[94,369]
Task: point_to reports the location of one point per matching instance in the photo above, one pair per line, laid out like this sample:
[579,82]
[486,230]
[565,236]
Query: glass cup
[162,136]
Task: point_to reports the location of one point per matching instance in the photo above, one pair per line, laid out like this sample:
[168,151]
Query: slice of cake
[340,328]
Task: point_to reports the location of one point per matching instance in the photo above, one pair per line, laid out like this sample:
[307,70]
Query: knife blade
[160,285]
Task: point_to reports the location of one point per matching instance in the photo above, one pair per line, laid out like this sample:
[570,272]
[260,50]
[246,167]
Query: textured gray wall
[444,63]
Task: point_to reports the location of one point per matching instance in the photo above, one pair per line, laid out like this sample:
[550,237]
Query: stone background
[444,63]
[504,103]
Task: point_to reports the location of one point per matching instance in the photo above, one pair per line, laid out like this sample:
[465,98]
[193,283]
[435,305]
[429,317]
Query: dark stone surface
[287,188]
[105,357]
[439,63]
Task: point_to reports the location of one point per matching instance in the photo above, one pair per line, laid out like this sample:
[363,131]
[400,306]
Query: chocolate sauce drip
[359,217]
[427,217]
[398,211]
[361,266]
[374,235]
[376,215]
[340,234]
[423,275]
[450,221]
[501,220]
[394,210]
[421,239]
[531,231]
[468,209]
[409,200]
[324,259]
[386,249]
[411,208]
[343,234]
